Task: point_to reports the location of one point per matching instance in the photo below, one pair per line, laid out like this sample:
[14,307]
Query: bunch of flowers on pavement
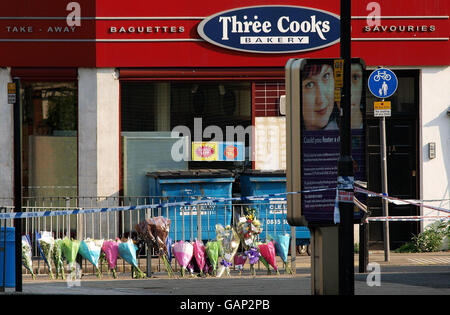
[213,251]
[91,250]
[248,229]
[70,249]
[267,251]
[127,250]
[110,249]
[183,252]
[282,248]
[26,255]
[239,262]
[200,255]
[155,232]
[46,243]
[58,258]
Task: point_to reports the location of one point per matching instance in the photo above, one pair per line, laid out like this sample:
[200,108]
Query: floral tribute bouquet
[262,259]
[26,255]
[213,251]
[200,255]
[282,248]
[70,250]
[127,250]
[248,229]
[183,252]
[267,251]
[110,250]
[46,243]
[91,250]
[58,260]
[155,232]
[230,242]
[239,262]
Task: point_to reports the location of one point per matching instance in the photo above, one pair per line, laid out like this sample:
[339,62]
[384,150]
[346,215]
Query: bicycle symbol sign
[382,75]
[382,83]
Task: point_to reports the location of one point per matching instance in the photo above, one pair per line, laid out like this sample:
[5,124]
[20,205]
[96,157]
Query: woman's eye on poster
[356,98]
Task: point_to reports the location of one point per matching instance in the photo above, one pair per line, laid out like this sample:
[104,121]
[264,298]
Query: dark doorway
[402,138]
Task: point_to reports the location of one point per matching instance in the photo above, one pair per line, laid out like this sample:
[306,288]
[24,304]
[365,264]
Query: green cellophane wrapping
[213,251]
[70,250]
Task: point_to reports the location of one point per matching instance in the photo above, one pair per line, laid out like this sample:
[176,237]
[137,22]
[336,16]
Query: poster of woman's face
[318,97]
[319,107]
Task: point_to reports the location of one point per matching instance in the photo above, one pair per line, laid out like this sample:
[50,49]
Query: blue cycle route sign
[382,83]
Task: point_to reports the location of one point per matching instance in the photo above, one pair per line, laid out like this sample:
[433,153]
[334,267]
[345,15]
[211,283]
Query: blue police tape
[268,197]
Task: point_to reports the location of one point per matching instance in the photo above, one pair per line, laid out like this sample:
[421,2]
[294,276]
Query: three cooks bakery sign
[271,29]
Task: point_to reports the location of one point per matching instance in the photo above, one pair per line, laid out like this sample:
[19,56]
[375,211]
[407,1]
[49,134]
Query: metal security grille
[267,98]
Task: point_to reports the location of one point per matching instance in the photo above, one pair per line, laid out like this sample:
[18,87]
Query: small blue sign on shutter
[271,29]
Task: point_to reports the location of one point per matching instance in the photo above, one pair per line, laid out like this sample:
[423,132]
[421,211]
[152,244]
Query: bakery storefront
[97,77]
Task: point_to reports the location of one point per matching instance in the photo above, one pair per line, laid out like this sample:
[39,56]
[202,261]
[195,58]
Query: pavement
[407,259]
[404,274]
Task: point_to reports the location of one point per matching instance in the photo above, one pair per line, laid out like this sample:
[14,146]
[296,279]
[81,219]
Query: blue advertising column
[382,84]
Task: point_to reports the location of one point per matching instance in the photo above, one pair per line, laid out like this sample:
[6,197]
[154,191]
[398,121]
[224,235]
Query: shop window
[151,110]
[219,104]
[138,107]
[50,112]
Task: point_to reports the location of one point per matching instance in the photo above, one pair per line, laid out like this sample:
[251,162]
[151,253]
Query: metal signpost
[383,83]
[17,178]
